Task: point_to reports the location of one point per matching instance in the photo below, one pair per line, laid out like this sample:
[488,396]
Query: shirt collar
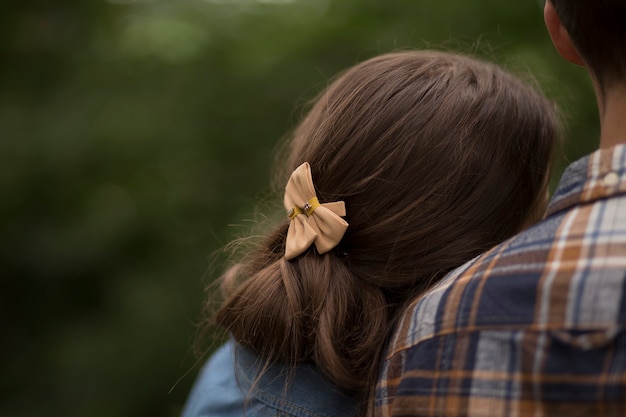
[599,175]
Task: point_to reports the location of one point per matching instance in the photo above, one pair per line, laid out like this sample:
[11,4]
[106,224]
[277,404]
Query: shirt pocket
[586,340]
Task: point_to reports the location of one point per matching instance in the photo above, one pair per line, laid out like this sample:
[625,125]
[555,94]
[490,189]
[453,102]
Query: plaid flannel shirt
[534,327]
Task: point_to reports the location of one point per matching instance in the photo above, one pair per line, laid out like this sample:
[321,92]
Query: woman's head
[437,157]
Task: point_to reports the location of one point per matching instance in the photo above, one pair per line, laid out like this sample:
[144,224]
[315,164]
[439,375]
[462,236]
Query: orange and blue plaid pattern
[534,327]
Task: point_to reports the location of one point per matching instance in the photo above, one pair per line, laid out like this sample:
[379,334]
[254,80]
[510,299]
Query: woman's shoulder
[215,392]
[227,386]
[300,392]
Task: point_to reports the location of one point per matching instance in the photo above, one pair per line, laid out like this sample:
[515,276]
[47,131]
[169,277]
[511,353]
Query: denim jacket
[223,389]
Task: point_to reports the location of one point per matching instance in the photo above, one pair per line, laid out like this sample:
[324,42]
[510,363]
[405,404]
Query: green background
[135,139]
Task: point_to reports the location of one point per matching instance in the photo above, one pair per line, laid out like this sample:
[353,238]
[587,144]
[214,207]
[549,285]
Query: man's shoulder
[543,306]
[551,275]
[473,294]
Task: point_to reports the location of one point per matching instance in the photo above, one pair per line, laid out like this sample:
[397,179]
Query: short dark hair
[598,30]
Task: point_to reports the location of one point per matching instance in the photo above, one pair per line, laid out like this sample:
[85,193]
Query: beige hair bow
[311,222]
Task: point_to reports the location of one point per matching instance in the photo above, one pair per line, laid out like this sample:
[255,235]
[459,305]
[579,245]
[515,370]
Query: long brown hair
[438,157]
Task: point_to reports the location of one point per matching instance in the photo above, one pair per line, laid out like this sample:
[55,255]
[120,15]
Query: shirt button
[610,180]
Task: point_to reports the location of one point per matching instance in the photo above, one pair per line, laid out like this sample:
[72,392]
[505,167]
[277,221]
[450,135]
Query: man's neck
[613,117]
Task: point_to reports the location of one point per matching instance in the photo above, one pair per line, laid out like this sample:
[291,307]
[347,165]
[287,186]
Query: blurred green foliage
[133,133]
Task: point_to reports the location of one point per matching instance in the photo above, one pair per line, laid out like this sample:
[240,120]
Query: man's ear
[560,38]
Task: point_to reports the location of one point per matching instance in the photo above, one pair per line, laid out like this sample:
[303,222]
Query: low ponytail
[310,309]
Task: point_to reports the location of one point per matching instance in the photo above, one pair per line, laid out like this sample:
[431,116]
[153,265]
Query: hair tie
[311,222]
